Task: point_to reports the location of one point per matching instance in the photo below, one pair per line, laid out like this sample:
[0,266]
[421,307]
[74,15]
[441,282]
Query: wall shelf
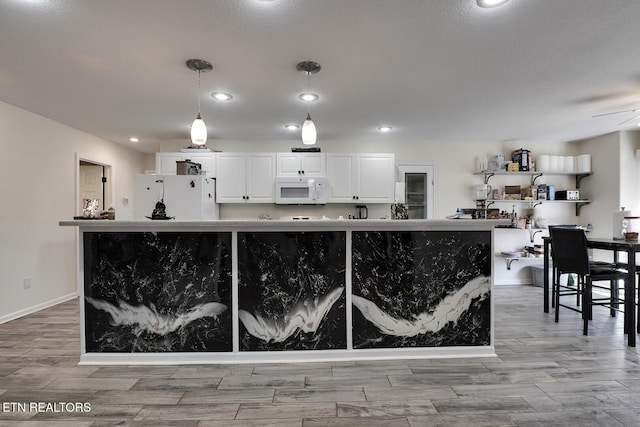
[533,175]
[533,203]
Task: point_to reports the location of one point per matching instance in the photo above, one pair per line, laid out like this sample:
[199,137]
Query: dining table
[618,247]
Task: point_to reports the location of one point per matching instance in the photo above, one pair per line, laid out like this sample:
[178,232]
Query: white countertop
[333,224]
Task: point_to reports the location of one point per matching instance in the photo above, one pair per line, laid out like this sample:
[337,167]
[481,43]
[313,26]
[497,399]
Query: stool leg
[586,305]
[614,297]
[556,295]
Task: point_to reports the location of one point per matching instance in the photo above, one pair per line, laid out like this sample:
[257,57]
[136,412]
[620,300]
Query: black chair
[556,277]
[570,255]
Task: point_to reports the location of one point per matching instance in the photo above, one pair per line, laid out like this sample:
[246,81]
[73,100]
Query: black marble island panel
[291,290]
[421,288]
[157,292]
[249,291]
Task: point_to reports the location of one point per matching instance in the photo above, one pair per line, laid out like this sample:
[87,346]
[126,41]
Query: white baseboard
[29,310]
[513,282]
[253,357]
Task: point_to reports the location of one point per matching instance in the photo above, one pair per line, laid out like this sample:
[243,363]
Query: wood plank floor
[545,374]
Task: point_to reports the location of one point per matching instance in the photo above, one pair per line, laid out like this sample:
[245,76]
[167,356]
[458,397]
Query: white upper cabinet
[301,164]
[245,177]
[261,178]
[166,162]
[360,178]
[376,178]
[340,178]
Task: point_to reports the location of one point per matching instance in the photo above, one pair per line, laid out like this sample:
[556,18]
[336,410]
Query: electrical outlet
[26,282]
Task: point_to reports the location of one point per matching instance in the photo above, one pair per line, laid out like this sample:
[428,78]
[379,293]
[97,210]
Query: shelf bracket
[534,204]
[489,204]
[579,178]
[579,206]
[488,176]
[534,177]
[509,261]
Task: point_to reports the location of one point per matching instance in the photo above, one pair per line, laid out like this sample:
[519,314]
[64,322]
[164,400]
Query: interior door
[91,185]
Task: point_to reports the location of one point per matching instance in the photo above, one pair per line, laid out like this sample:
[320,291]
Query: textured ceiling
[433,69]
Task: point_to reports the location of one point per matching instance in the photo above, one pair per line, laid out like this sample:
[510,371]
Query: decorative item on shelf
[198,128]
[568,195]
[522,157]
[111,213]
[583,163]
[513,167]
[546,192]
[482,164]
[496,163]
[512,192]
[481,191]
[309,133]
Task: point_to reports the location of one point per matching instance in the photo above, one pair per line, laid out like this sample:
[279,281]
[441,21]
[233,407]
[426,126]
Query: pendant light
[309,133]
[198,128]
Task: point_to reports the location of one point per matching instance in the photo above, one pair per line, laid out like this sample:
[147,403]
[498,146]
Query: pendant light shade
[309,134]
[198,128]
[198,132]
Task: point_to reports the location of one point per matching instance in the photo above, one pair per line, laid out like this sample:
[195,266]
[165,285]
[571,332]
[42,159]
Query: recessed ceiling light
[308,96]
[490,3]
[222,96]
[385,129]
[291,127]
[134,139]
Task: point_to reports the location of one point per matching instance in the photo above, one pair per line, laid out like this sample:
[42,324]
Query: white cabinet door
[312,164]
[231,177]
[340,176]
[260,179]
[245,177]
[288,164]
[301,164]
[376,178]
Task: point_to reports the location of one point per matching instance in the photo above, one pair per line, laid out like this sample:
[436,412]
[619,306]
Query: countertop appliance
[301,191]
[186,197]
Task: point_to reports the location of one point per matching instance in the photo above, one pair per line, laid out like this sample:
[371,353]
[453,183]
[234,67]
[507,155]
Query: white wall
[37,189]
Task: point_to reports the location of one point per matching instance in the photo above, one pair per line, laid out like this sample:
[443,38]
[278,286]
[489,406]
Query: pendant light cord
[198,92]
[308,90]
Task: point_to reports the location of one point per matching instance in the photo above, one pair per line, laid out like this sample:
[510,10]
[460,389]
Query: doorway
[419,180]
[94,184]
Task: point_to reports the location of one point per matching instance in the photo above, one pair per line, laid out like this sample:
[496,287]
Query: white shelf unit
[534,176]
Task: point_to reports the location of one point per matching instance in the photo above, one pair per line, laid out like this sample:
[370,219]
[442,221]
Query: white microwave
[301,191]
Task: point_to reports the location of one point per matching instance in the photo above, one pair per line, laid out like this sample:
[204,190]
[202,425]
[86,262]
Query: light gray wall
[604,186]
[37,189]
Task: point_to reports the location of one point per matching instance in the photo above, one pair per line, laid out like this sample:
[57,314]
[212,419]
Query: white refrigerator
[186,197]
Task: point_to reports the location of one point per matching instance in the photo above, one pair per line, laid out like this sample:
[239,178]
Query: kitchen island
[236,291]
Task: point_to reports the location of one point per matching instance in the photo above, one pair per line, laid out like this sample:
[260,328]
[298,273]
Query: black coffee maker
[160,211]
